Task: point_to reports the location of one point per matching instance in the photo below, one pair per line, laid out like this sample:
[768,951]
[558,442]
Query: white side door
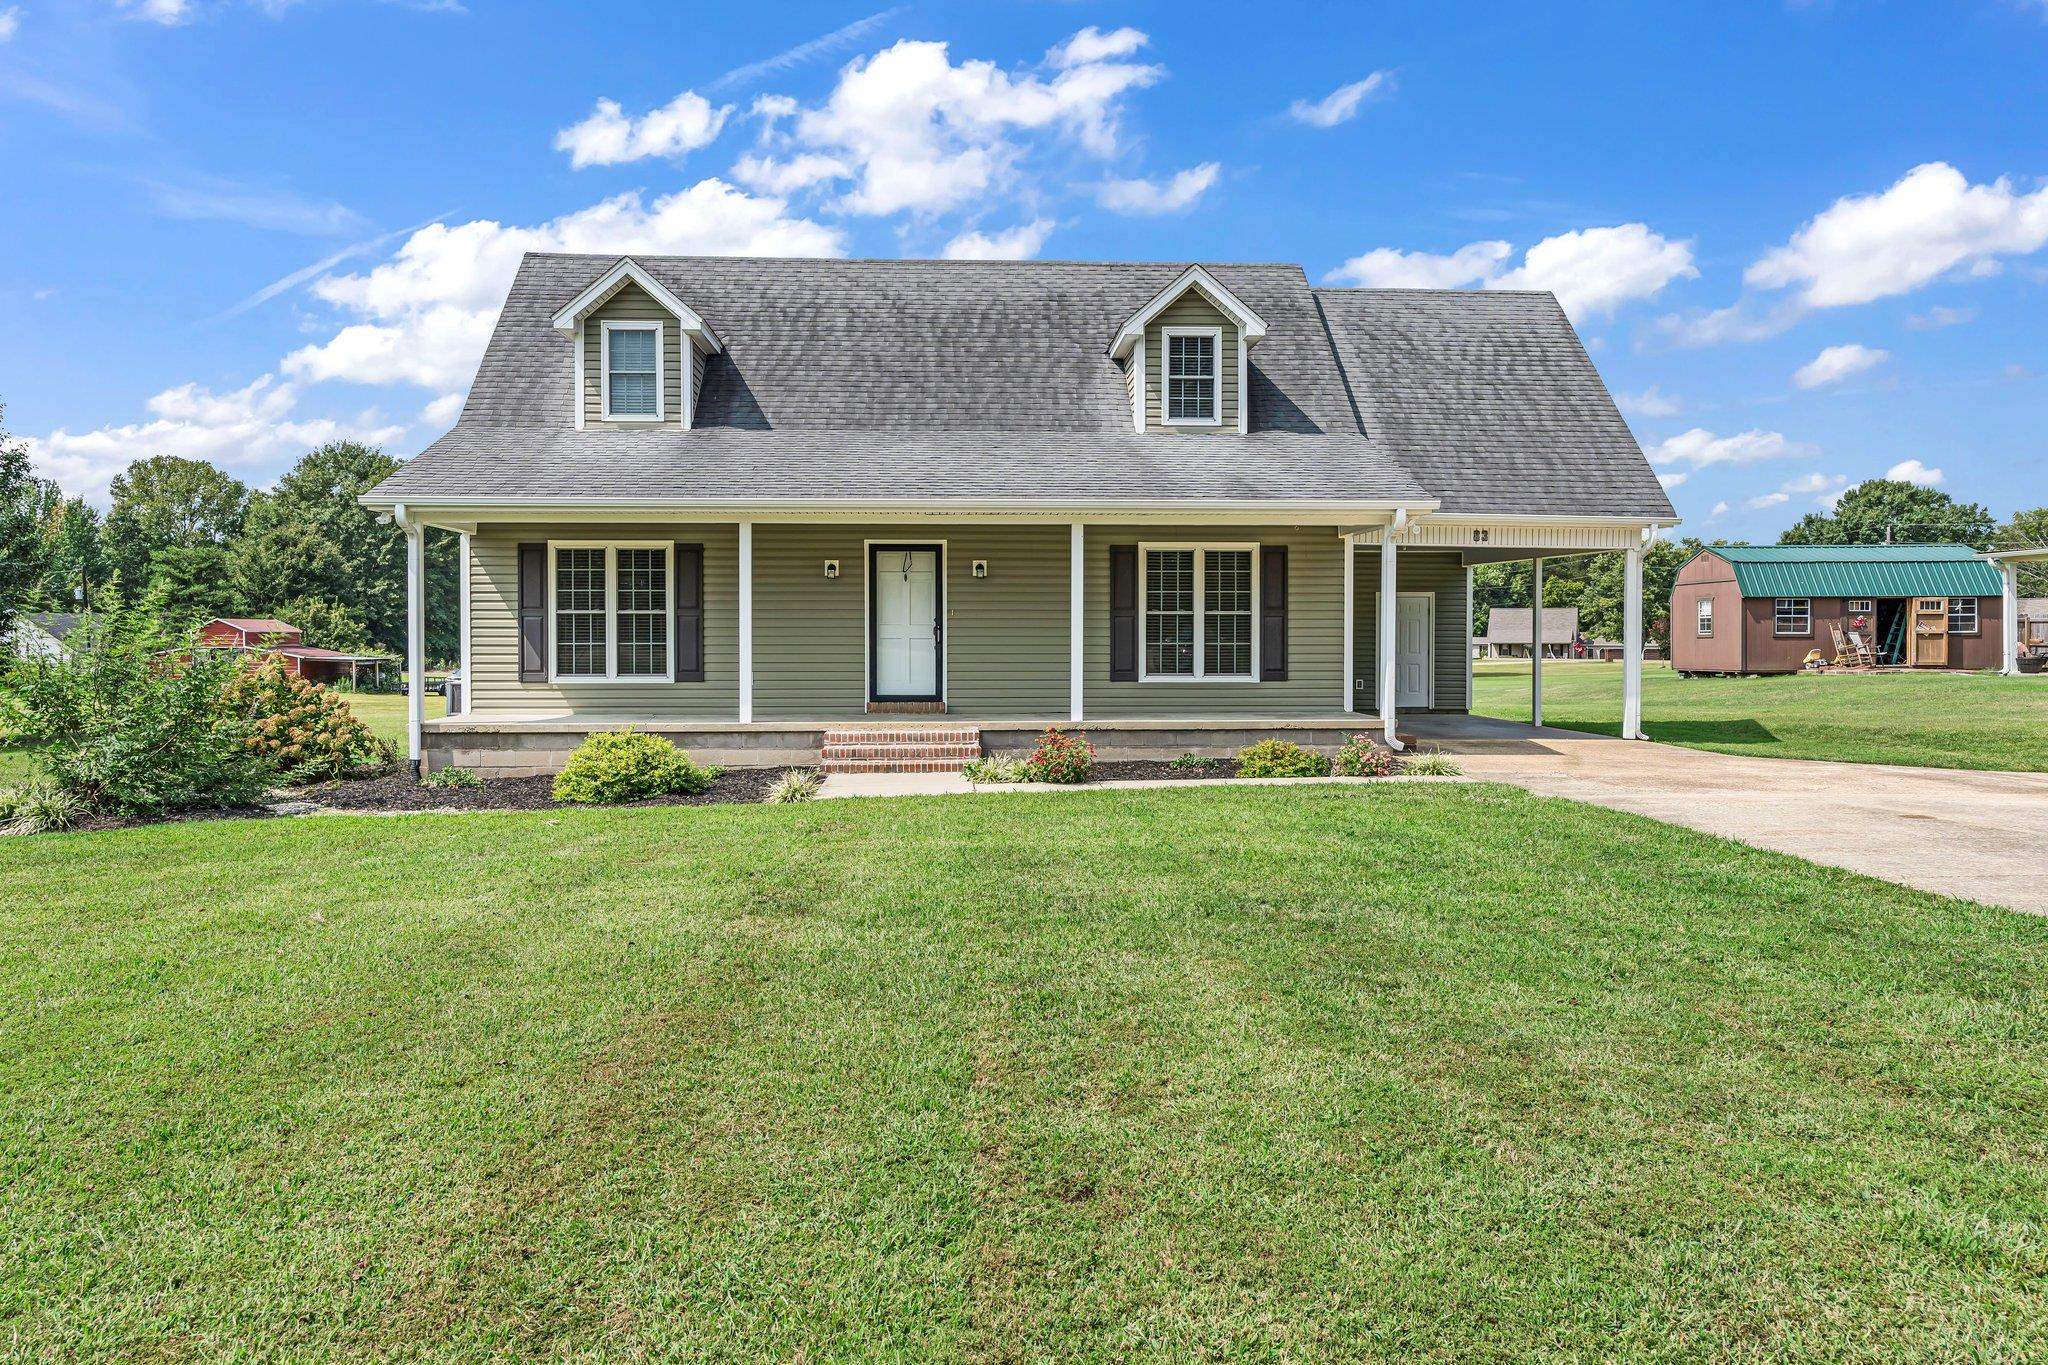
[906,623]
[1414,629]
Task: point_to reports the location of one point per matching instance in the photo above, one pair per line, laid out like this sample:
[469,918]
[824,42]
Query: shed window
[612,609]
[1859,605]
[1706,619]
[1962,616]
[1794,616]
[1192,374]
[632,371]
[1198,612]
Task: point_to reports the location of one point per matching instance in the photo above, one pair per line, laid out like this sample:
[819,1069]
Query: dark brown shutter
[1272,613]
[533,613]
[689,612]
[1123,613]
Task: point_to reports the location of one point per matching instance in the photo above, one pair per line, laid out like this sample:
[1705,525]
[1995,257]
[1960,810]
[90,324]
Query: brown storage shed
[1763,609]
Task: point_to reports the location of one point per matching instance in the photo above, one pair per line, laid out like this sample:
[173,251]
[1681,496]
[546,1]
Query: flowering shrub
[1360,757]
[1279,758]
[1060,757]
[628,765]
[994,769]
[301,729]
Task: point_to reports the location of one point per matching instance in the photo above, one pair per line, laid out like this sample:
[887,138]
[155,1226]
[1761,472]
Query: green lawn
[1923,720]
[1447,1072]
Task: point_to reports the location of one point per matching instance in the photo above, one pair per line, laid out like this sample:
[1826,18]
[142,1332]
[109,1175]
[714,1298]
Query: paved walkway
[1982,836]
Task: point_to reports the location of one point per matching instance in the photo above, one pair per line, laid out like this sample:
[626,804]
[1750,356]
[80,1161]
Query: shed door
[1930,632]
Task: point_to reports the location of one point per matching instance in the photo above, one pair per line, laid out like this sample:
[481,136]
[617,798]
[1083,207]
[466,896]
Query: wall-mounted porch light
[831,568]
[981,568]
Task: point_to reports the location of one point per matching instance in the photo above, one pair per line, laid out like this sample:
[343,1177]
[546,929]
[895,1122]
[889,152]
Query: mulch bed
[399,791]
[1159,770]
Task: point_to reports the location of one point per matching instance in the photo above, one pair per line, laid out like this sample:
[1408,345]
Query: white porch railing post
[746,623]
[1389,663]
[1536,641]
[1077,596]
[1632,646]
[1350,669]
[415,633]
[2010,571]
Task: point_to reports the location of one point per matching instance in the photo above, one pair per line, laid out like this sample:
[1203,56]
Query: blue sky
[1806,242]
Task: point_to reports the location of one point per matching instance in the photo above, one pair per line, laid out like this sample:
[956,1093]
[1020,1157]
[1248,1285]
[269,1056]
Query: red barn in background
[265,635]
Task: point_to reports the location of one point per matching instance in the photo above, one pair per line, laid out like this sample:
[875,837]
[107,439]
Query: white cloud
[805,51]
[166,12]
[274,210]
[608,137]
[1019,243]
[1149,197]
[1836,363]
[1700,448]
[10,22]
[244,431]
[1651,402]
[425,315]
[1592,271]
[772,176]
[1340,105]
[1740,321]
[443,411]
[1720,509]
[1825,489]
[1940,316]
[1914,472]
[1930,223]
[1673,480]
[921,134]
[1091,44]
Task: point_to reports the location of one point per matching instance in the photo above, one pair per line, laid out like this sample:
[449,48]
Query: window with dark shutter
[1123,613]
[1272,613]
[689,612]
[533,612]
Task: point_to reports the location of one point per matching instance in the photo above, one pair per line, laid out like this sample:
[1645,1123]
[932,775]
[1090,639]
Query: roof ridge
[1177,262]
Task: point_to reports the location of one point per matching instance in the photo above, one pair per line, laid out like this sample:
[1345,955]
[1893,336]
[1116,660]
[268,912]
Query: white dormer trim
[1249,324]
[570,318]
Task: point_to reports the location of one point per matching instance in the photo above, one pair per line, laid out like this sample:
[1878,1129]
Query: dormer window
[632,371]
[1192,378]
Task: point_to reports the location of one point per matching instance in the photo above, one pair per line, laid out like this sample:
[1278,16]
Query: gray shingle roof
[1510,625]
[920,379]
[1490,401]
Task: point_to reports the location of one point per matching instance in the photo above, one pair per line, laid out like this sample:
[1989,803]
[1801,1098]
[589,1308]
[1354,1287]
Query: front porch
[747,640]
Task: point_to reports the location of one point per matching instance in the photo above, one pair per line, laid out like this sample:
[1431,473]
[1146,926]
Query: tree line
[186,541]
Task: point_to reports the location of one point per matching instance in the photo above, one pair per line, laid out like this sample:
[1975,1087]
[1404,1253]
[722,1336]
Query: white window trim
[604,368]
[1777,629]
[1976,616]
[1703,619]
[1166,418]
[611,550]
[1201,673]
[1860,606]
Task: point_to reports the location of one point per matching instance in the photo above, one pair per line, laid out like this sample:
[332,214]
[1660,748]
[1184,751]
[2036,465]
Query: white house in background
[1507,633]
[40,635]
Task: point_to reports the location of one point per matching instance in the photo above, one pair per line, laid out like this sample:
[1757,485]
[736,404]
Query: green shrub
[1193,763]
[36,805]
[798,784]
[133,724]
[1360,757]
[1060,757]
[1280,758]
[628,765]
[993,769]
[452,779]
[1431,765]
[303,730]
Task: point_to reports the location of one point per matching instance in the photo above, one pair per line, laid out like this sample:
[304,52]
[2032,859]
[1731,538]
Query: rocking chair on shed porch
[1850,650]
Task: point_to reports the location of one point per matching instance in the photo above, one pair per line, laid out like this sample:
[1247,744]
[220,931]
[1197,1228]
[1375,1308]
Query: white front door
[1414,629]
[906,623]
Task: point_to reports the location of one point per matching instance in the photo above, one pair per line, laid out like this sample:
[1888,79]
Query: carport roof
[1860,571]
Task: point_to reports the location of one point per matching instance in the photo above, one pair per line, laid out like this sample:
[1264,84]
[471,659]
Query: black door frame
[938,692]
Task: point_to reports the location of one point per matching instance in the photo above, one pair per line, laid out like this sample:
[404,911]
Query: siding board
[633,304]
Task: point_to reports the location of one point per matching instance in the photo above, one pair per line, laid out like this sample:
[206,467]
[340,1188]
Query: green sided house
[891,513]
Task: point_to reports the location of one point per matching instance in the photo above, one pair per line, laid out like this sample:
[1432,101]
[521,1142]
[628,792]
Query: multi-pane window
[1191,376]
[1706,626]
[1962,615]
[1199,612]
[632,370]
[612,610]
[1859,606]
[1794,616]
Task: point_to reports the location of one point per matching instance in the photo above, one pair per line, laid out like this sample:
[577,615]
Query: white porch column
[1632,646]
[2010,664]
[1350,669]
[462,584]
[1077,596]
[1536,641]
[1385,657]
[746,623]
[415,632]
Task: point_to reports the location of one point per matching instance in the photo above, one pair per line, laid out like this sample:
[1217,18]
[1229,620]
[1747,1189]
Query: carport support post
[1536,641]
[1632,646]
[415,632]
[1384,655]
[1350,658]
[2010,571]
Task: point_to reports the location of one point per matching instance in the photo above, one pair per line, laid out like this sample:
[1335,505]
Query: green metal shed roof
[1860,571]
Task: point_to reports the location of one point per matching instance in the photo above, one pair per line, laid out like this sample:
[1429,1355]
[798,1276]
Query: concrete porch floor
[1977,835]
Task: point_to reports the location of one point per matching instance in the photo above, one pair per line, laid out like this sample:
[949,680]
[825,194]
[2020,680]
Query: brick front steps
[901,749]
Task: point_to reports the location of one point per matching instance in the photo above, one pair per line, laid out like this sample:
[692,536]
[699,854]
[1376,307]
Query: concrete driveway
[1982,836]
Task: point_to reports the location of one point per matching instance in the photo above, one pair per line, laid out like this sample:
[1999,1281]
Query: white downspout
[415,631]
